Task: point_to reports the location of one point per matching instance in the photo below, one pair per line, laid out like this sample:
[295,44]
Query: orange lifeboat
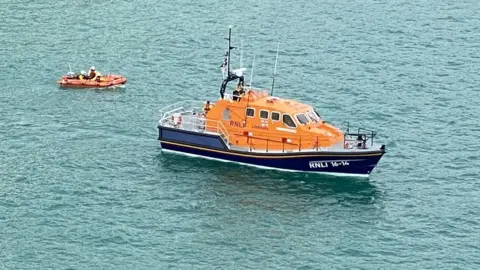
[73,81]
[252,127]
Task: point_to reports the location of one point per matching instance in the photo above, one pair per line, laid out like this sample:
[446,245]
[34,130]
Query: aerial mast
[230,76]
[251,74]
[229,48]
[275,69]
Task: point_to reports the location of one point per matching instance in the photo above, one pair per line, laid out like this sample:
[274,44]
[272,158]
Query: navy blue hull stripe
[361,165]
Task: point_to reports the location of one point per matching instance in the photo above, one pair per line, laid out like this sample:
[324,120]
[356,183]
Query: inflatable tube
[105,81]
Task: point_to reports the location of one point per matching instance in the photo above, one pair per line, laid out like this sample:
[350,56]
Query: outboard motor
[71,75]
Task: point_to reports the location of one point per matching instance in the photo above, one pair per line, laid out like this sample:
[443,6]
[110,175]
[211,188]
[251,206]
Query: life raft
[103,82]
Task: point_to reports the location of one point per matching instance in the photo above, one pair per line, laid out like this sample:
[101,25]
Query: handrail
[205,124]
[309,137]
[224,130]
[313,142]
[163,111]
[171,112]
[230,97]
[221,130]
[362,137]
[259,91]
[268,141]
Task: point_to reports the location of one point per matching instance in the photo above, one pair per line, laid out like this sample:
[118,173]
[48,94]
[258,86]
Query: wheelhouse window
[312,116]
[302,119]
[288,121]
[226,114]
[264,114]
[250,112]
[275,116]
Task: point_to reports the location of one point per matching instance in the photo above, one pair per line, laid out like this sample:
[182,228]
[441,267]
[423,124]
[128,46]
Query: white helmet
[92,68]
[83,72]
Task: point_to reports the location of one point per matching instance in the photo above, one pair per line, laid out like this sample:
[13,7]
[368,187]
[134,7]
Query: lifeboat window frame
[291,118]
[300,122]
[246,112]
[226,114]
[260,115]
[271,116]
[312,116]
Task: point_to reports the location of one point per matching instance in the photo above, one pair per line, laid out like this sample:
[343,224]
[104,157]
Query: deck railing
[221,130]
[195,122]
[181,106]
[259,92]
[359,138]
[269,142]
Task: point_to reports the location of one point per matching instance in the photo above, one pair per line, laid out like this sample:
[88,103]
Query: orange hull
[109,81]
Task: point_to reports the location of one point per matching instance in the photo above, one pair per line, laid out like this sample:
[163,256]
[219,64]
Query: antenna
[69,67]
[230,76]
[229,48]
[241,53]
[275,69]
[251,74]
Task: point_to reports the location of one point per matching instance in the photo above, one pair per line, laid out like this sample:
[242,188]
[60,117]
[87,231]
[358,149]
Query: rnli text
[326,164]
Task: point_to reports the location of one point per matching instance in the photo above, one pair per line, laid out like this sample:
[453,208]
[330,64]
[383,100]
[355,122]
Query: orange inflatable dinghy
[99,82]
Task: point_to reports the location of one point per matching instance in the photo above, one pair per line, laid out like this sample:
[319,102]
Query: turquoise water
[83,184]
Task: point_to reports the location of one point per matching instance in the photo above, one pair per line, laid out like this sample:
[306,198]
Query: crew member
[92,74]
[238,92]
[207,107]
[241,91]
[83,75]
[361,142]
[236,95]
